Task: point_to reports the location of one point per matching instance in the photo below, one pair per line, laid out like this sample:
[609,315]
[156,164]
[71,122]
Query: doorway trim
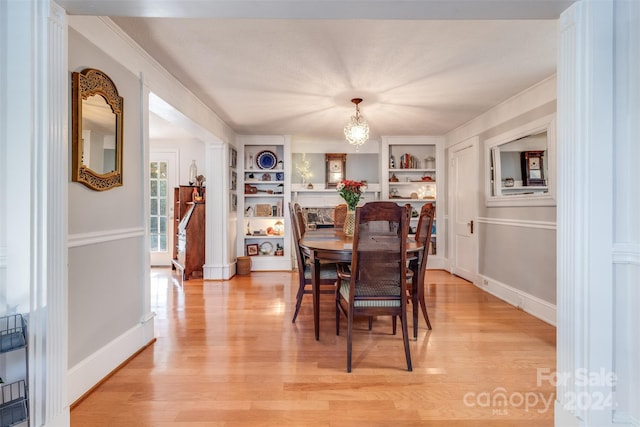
[171,156]
[472,143]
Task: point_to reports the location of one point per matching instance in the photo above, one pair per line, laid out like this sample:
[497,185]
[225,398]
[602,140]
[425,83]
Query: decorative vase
[193,173]
[349,223]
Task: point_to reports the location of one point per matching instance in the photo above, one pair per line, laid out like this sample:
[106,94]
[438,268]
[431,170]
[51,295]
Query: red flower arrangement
[351,192]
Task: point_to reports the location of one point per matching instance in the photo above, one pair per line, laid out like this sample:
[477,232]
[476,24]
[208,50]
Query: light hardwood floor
[227,355]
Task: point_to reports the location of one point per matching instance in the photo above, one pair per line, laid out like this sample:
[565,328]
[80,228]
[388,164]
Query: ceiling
[269,75]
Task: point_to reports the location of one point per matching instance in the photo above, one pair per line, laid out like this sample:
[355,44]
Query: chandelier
[357,130]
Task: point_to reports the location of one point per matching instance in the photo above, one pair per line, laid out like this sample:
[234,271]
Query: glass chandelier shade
[357,130]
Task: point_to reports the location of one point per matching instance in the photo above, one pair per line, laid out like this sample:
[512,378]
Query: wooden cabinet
[189,232]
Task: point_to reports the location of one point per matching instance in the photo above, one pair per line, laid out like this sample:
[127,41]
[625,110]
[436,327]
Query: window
[158,207]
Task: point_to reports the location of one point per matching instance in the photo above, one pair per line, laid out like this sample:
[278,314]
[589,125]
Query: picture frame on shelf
[335,168]
[233,158]
[253,249]
[263,209]
[233,181]
[234,202]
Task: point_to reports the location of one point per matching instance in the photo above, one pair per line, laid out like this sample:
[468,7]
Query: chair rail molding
[546,225]
[97,237]
[626,253]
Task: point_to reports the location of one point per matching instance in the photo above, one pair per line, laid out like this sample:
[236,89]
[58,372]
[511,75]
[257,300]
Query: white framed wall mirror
[520,165]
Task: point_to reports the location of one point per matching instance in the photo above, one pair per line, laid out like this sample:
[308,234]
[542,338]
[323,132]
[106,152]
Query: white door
[162,180]
[465,188]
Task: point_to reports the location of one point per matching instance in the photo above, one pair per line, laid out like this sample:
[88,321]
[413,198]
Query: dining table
[331,245]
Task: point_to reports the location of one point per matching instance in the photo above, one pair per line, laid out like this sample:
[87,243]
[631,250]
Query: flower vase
[349,223]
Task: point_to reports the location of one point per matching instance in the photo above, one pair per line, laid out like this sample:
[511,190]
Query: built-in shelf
[411,183]
[416,183]
[263,196]
[407,200]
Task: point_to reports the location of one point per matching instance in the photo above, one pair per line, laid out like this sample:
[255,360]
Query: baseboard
[624,418]
[259,263]
[535,306]
[564,418]
[63,419]
[219,272]
[437,263]
[84,376]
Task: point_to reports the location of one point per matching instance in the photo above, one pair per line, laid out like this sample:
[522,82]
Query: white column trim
[37,129]
[56,73]
[147,316]
[585,217]
[217,266]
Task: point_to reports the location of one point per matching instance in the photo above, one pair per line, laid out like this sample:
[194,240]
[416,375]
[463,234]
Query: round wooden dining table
[333,246]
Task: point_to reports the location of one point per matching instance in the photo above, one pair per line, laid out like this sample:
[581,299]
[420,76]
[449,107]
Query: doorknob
[470,225]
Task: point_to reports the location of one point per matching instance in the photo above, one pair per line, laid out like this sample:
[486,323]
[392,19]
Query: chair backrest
[425,223]
[295,211]
[295,227]
[423,233]
[339,215]
[379,243]
[301,220]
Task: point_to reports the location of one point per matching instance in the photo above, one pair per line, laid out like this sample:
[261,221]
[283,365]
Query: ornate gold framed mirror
[96,124]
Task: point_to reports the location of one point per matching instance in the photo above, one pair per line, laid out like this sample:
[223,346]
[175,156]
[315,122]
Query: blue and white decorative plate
[266,248]
[266,159]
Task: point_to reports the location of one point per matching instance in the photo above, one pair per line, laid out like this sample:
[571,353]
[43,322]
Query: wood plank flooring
[227,355]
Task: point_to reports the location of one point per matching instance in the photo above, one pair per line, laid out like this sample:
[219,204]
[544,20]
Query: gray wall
[517,255]
[106,275]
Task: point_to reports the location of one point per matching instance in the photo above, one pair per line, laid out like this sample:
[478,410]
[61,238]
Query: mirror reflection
[97,130]
[98,135]
[520,166]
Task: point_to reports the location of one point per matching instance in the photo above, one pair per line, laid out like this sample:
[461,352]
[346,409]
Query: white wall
[187,150]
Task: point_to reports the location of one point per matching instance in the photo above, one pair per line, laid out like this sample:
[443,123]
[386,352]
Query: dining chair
[417,281]
[374,285]
[328,273]
[301,219]
[339,215]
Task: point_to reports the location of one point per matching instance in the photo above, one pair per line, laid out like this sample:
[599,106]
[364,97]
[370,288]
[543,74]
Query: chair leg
[370,322]
[299,296]
[337,317]
[405,338]
[393,324]
[349,335]
[414,312]
[423,305]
